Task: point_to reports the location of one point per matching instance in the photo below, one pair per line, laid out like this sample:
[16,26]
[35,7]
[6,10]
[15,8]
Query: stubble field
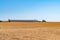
[29,30]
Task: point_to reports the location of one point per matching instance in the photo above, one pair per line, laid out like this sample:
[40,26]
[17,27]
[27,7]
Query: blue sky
[48,10]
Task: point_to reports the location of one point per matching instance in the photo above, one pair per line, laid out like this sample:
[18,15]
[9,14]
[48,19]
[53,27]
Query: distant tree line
[30,20]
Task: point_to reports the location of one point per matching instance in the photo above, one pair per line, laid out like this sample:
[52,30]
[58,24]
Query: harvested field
[29,30]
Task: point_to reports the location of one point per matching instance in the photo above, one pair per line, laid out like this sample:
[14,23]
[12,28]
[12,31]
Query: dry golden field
[29,30]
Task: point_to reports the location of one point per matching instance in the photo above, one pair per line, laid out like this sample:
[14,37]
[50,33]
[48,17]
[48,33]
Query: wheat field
[29,30]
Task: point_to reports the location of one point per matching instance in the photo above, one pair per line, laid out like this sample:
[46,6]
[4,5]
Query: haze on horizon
[48,10]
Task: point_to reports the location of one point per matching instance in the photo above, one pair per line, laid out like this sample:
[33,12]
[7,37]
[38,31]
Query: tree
[0,21]
[43,20]
[8,20]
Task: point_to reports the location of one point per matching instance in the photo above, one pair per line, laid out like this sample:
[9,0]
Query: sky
[48,10]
